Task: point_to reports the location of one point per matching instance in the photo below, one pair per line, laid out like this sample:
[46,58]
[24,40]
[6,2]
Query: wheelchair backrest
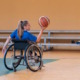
[20,44]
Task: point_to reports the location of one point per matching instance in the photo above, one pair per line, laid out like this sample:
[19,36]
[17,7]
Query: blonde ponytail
[20,29]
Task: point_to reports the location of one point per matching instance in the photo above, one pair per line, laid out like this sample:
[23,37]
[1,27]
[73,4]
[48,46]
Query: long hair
[20,28]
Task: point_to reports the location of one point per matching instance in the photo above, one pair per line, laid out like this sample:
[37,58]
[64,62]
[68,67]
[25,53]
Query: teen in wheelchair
[24,49]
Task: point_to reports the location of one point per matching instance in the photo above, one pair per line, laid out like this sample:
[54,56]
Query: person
[21,33]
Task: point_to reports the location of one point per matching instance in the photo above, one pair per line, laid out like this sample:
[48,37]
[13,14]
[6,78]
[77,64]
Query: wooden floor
[67,67]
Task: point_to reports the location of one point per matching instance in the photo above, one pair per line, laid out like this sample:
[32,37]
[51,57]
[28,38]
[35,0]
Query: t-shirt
[25,36]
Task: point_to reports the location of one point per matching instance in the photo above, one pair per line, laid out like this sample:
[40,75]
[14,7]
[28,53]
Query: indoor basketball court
[50,49]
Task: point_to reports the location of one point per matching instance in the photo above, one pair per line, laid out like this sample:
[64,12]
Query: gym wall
[63,14]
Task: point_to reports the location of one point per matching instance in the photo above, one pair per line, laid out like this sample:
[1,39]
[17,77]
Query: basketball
[44,21]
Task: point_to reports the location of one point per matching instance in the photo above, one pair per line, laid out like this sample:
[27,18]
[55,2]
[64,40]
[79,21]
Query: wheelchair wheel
[10,57]
[33,57]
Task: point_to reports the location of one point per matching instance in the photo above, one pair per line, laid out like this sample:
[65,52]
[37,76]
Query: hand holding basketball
[44,22]
[43,28]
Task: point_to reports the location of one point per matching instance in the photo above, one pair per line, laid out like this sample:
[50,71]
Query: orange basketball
[44,21]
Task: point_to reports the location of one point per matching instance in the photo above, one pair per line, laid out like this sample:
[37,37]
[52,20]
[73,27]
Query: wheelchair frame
[23,45]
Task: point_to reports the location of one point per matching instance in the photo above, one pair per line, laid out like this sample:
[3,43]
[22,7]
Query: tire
[35,56]
[9,58]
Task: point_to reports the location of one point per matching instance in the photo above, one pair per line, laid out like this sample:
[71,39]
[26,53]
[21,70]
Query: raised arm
[40,34]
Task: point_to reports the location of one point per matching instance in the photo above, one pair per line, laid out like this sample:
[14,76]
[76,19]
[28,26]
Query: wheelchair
[22,52]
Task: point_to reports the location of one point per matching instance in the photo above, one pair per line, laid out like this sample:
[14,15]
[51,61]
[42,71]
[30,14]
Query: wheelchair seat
[20,44]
